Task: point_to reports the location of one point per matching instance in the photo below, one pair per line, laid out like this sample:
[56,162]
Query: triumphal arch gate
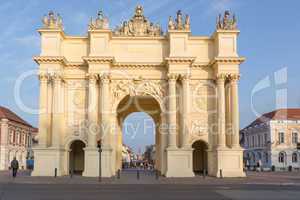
[187,84]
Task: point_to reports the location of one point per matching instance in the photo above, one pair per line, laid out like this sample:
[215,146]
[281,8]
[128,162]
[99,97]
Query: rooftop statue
[52,21]
[227,23]
[101,22]
[171,24]
[180,24]
[138,25]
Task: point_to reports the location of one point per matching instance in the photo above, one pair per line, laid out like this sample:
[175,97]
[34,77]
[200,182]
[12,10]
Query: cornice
[50,59]
[138,65]
[225,60]
[75,65]
[98,59]
[180,60]
[200,65]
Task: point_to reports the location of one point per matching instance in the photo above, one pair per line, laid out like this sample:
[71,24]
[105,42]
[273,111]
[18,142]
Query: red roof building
[16,137]
[271,140]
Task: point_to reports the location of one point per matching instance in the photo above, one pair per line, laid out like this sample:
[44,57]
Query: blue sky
[269,39]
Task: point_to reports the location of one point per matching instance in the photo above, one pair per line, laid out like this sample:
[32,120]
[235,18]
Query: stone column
[57,110]
[105,109]
[186,110]
[106,114]
[43,116]
[92,111]
[235,118]
[172,111]
[221,111]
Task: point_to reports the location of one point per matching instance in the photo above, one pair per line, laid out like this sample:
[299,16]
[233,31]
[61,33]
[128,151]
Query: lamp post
[100,151]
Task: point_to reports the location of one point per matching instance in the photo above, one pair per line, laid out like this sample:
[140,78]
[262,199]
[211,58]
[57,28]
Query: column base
[179,162]
[46,160]
[226,162]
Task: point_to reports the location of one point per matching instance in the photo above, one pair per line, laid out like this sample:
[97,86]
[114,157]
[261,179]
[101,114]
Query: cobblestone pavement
[146,177]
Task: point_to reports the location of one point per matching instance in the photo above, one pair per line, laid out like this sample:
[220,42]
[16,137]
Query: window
[259,155]
[281,157]
[281,137]
[266,157]
[266,138]
[258,138]
[11,137]
[20,139]
[295,157]
[295,138]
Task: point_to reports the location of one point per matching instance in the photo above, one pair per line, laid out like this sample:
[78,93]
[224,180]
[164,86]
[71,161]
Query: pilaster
[3,145]
[221,111]
[185,110]
[172,112]
[58,111]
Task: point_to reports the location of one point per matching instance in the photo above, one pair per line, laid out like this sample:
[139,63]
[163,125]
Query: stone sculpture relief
[134,87]
[139,25]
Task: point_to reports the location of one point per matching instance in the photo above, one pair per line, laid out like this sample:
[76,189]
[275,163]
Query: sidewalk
[130,177]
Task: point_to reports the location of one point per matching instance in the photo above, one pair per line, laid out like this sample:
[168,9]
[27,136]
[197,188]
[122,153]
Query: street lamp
[100,151]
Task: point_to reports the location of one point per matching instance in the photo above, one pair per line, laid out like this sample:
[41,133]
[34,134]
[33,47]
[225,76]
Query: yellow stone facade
[187,84]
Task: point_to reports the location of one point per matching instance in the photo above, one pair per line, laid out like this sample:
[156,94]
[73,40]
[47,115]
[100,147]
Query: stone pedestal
[47,159]
[106,167]
[227,160]
[91,168]
[179,163]
[91,162]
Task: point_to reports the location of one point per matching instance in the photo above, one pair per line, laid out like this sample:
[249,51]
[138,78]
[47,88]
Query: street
[263,185]
[12,191]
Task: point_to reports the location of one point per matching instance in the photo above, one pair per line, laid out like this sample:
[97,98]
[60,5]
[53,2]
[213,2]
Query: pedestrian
[15,166]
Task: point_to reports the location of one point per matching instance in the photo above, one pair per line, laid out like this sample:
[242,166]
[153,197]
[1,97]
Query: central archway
[77,157]
[137,104]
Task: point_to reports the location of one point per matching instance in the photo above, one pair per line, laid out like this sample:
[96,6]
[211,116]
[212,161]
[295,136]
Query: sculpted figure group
[139,25]
[101,22]
[227,23]
[52,21]
[179,24]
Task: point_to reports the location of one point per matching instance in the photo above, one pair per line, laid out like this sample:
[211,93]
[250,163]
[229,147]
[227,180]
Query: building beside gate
[15,139]
[272,140]
[188,84]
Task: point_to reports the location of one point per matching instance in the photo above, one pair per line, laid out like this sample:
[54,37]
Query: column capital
[43,77]
[234,77]
[57,77]
[173,76]
[92,77]
[221,77]
[105,77]
[185,77]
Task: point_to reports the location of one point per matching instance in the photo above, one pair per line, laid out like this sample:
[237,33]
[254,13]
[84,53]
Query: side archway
[76,157]
[200,156]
